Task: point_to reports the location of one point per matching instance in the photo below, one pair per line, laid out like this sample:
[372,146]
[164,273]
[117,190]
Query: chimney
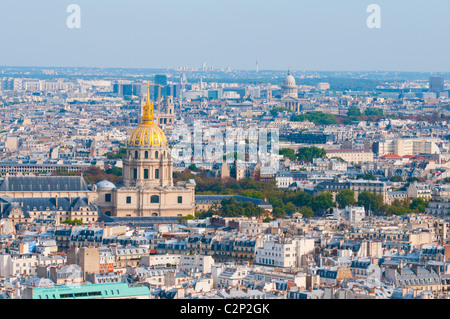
[415,268]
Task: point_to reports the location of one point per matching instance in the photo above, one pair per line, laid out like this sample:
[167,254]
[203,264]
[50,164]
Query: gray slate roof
[44,203]
[43,184]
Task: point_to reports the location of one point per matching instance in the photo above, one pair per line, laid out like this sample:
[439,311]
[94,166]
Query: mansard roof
[43,184]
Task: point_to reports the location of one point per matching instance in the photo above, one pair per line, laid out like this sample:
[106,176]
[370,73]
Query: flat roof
[90,291]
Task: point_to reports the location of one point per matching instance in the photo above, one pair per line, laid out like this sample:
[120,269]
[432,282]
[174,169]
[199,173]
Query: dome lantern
[147,134]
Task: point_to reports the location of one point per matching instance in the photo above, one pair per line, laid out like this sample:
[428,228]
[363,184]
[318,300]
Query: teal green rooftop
[90,291]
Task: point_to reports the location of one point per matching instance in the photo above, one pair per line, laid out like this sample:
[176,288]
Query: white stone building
[279,251]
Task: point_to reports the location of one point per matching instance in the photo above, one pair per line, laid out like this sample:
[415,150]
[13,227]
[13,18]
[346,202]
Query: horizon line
[220,69]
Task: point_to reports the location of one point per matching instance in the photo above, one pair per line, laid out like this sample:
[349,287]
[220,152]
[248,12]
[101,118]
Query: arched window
[156,154]
[157,173]
[146,154]
[136,154]
[154,199]
[145,173]
[154,214]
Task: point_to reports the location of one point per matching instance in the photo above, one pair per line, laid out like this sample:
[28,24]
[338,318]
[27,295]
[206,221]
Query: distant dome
[289,81]
[105,184]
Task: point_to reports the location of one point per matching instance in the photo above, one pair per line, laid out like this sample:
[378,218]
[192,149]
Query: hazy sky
[303,34]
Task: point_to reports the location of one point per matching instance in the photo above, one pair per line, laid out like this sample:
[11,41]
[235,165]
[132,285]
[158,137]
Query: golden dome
[147,133]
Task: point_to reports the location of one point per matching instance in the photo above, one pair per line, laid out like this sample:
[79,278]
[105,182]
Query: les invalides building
[148,188]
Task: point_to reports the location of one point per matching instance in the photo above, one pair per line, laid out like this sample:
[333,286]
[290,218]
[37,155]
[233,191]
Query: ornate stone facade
[148,188]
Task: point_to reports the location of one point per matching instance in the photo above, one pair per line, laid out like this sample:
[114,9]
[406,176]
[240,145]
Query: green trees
[193,168]
[306,212]
[253,194]
[307,154]
[302,199]
[289,153]
[371,201]
[73,222]
[119,155]
[353,111]
[413,179]
[373,111]
[369,177]
[322,202]
[418,205]
[278,212]
[290,208]
[288,202]
[396,178]
[117,171]
[317,117]
[230,207]
[94,174]
[345,198]
[407,206]
[188,217]
[276,110]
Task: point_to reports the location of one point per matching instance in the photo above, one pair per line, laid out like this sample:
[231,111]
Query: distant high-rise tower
[437,84]
[257,67]
[162,81]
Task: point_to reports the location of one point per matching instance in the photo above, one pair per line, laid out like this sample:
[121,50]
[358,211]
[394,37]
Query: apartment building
[351,155]
[357,186]
[402,147]
[18,264]
[421,190]
[280,251]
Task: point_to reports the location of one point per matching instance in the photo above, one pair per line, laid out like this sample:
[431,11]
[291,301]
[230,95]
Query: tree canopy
[373,111]
[119,155]
[396,178]
[289,153]
[345,197]
[285,202]
[371,201]
[317,117]
[353,111]
[276,110]
[307,154]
